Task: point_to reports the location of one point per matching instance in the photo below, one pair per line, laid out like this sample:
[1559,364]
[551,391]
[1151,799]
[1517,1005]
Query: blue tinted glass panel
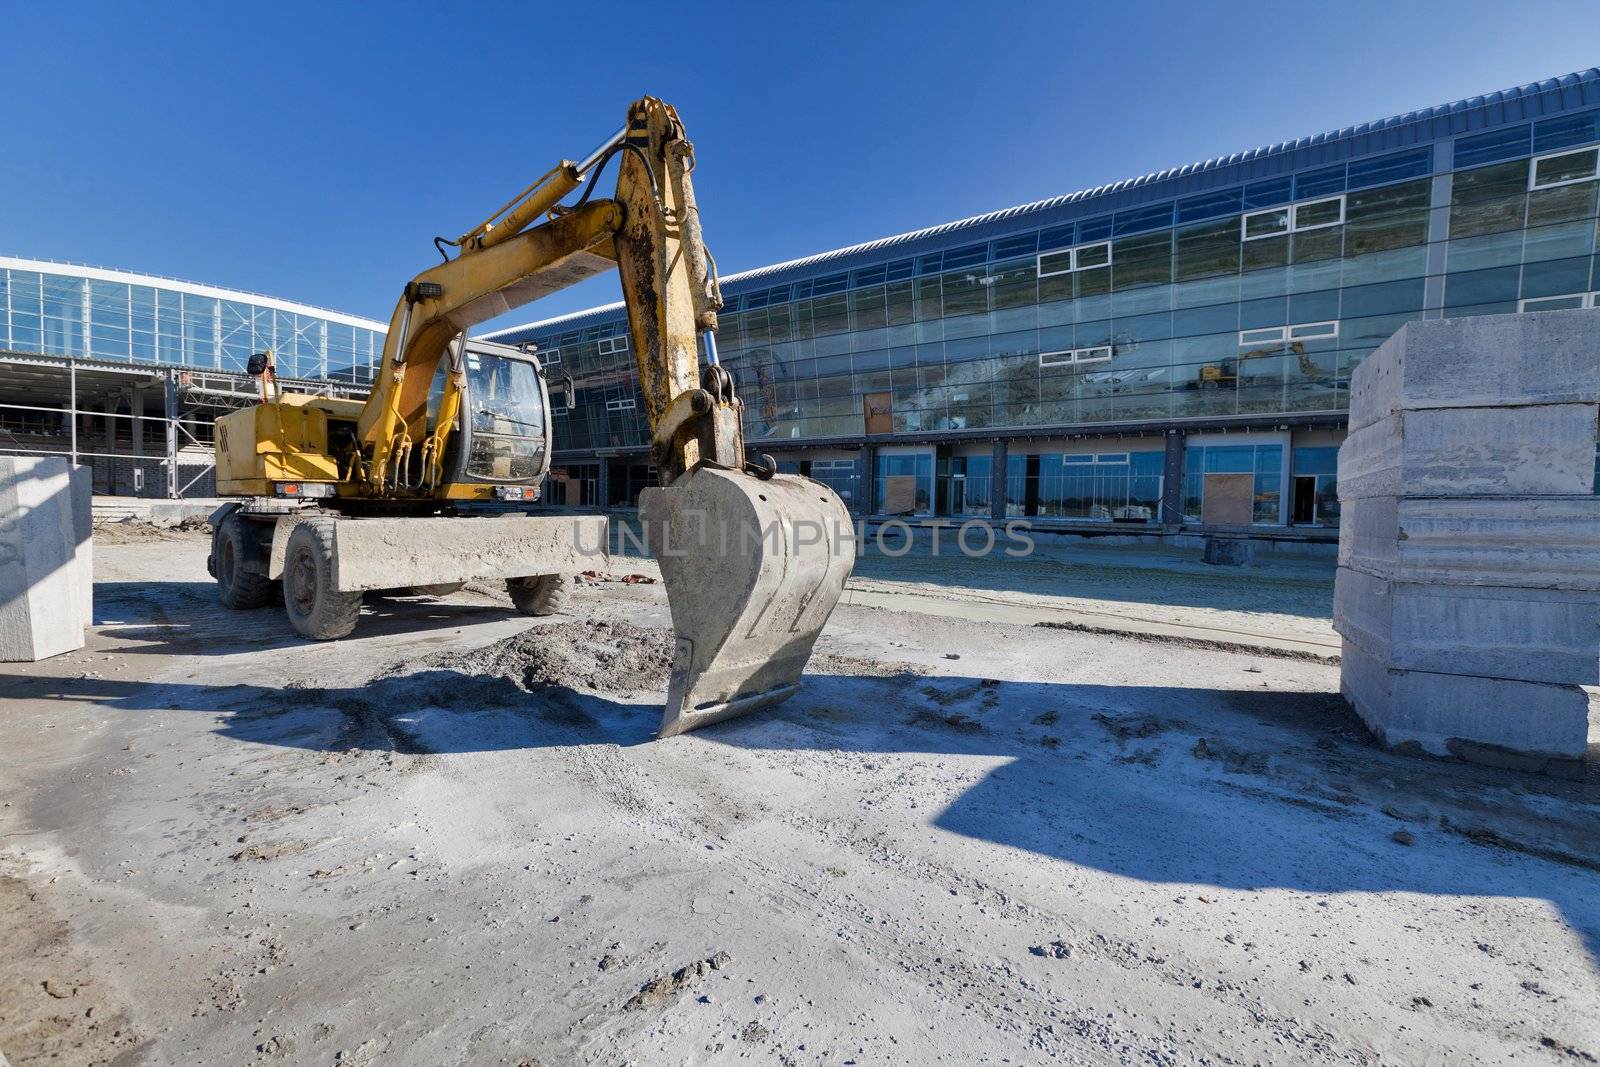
[897,271]
[1148,218]
[966,257]
[1566,131]
[1094,230]
[1211,205]
[756,300]
[1026,245]
[929,264]
[1057,237]
[1494,145]
[1268,194]
[835,284]
[1391,168]
[1319,182]
[869,276]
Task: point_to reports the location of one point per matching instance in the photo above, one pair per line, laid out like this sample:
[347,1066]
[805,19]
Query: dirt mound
[133,530]
[593,654]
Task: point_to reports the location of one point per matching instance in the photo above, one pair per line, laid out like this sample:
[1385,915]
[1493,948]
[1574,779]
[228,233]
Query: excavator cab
[503,433]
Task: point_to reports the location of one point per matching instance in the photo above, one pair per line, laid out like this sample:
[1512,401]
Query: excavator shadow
[161,618]
[1188,786]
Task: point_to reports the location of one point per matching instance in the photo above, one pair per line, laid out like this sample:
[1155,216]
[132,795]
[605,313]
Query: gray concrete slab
[45,580]
[1527,542]
[1544,358]
[1535,450]
[1529,725]
[1531,635]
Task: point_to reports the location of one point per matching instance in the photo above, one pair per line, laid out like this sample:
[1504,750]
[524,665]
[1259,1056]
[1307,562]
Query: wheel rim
[302,575]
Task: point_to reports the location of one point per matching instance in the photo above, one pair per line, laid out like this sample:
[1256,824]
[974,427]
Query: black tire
[541,594]
[316,609]
[239,564]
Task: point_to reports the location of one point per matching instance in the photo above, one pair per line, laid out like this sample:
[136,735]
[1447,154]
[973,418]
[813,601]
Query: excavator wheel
[316,609]
[541,594]
[239,564]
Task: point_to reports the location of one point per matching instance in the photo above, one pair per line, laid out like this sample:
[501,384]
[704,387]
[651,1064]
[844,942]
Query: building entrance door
[1305,501]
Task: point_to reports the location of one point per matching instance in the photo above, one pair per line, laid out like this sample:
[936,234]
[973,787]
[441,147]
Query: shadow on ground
[160,618]
[1215,784]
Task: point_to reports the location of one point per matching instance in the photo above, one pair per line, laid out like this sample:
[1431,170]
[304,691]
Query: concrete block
[44,578]
[1550,357]
[82,476]
[1529,725]
[1521,542]
[1530,635]
[1535,450]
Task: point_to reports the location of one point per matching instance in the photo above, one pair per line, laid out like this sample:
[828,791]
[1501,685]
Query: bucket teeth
[753,569]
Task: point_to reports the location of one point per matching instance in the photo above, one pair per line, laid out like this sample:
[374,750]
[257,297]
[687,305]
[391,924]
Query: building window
[1307,215]
[1300,331]
[547,356]
[1562,168]
[1101,487]
[625,404]
[611,345]
[1569,302]
[1084,257]
[1097,354]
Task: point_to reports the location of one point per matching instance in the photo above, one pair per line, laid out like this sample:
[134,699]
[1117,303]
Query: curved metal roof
[156,281]
[1460,116]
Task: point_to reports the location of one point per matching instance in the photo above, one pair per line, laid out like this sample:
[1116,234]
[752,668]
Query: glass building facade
[89,312]
[1221,306]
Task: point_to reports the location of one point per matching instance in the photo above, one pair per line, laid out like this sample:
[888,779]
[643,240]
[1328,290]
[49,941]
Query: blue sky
[311,151]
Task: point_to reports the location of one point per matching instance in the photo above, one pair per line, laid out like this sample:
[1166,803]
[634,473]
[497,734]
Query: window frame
[1295,225]
[1285,334]
[1072,259]
[1331,334]
[626,403]
[1586,301]
[1533,168]
[1077,355]
[619,343]
[548,356]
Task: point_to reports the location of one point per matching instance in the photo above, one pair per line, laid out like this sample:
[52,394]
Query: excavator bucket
[753,568]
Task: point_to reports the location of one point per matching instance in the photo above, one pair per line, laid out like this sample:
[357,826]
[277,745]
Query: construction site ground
[1101,805]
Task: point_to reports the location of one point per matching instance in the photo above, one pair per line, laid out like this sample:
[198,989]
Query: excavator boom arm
[750,597]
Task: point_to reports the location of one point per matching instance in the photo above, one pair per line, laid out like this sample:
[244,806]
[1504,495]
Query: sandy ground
[971,839]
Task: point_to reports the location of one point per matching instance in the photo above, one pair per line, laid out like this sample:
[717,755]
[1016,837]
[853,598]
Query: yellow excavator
[1228,372]
[342,497]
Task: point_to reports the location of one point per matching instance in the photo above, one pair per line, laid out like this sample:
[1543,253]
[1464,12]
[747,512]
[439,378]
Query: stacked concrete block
[46,568]
[1468,590]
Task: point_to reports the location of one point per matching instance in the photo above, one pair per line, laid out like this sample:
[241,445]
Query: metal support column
[1172,482]
[1438,229]
[170,390]
[997,480]
[602,485]
[137,409]
[72,405]
[869,479]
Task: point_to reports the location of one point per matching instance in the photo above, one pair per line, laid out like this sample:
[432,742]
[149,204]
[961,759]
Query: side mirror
[257,365]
